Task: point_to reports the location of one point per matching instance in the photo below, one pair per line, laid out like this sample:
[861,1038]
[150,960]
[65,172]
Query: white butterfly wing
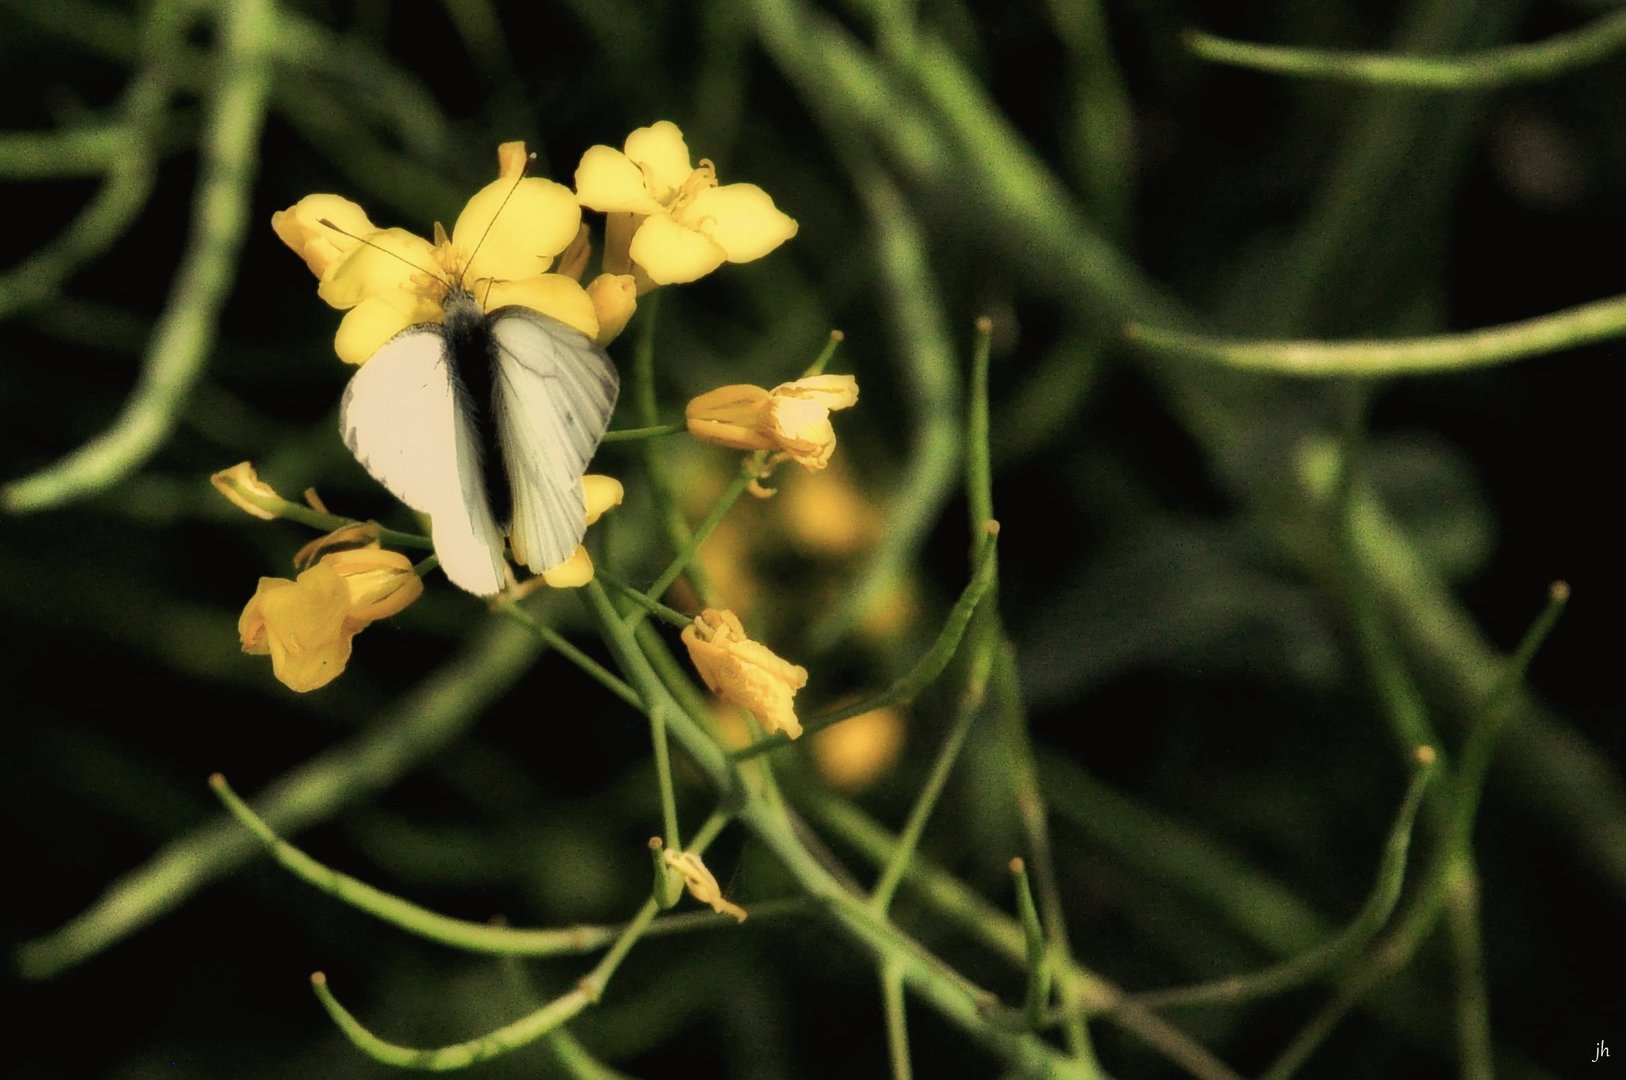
[553,395]
[400,418]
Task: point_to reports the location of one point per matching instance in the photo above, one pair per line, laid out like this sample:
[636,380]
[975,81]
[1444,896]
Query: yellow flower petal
[671,254]
[379,583]
[573,260]
[245,490]
[602,494]
[743,671]
[615,298]
[300,227]
[367,326]
[741,219]
[551,294]
[573,573]
[387,263]
[512,158]
[609,181]
[730,416]
[302,624]
[663,156]
[510,231]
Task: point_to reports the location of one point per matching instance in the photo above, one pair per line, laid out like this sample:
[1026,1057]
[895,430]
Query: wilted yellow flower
[701,883]
[389,279]
[745,672]
[306,625]
[669,216]
[245,490]
[792,418]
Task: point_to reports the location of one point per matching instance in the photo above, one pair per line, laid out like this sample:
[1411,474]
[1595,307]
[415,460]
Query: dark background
[1169,645]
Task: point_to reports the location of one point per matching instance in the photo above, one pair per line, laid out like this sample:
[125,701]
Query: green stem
[670,616]
[476,937]
[668,886]
[1480,70]
[933,391]
[897,1021]
[826,354]
[1038,992]
[527,1029]
[89,150]
[685,556]
[564,647]
[1307,966]
[979,475]
[417,726]
[925,671]
[130,177]
[1600,320]
[970,707]
[1475,1047]
[654,431]
[660,478]
[183,338]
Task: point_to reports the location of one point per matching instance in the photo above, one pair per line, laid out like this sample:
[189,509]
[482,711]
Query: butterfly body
[485,422]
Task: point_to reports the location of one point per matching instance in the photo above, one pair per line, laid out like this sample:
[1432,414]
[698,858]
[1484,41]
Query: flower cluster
[306,625]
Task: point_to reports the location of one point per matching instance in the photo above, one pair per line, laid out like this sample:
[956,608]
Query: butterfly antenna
[525,170]
[378,247]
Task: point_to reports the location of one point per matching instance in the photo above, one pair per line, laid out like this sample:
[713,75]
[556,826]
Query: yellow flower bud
[245,490]
[615,298]
[792,418]
[745,672]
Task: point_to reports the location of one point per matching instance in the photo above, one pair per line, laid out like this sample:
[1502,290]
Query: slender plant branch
[1480,70]
[185,332]
[1601,320]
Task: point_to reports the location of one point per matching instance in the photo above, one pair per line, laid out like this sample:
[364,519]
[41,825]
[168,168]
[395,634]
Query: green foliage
[1281,396]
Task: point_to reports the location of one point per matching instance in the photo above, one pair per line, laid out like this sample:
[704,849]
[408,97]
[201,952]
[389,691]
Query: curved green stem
[1309,965]
[463,934]
[185,333]
[420,723]
[1472,71]
[1600,320]
[527,1029]
[965,714]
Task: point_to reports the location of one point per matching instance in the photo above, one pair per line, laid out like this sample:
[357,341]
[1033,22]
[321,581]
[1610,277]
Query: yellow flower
[389,279]
[245,490]
[306,625]
[793,417]
[702,884]
[670,217]
[745,672]
[602,494]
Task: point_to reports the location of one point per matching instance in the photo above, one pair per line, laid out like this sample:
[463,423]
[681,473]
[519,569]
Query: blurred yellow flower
[389,279]
[670,217]
[792,418]
[306,625]
[745,672]
[851,755]
[825,513]
[701,883]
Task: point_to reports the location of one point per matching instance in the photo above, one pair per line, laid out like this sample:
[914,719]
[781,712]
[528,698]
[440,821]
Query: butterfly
[485,422]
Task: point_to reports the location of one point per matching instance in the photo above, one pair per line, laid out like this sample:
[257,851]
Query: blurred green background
[1213,746]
